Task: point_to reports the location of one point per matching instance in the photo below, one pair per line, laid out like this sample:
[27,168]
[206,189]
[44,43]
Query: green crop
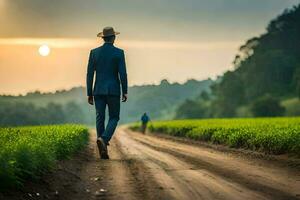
[27,152]
[271,135]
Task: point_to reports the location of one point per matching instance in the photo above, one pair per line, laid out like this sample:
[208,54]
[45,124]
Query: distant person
[145,119]
[108,63]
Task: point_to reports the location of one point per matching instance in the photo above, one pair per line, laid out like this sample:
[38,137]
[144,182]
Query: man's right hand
[91,100]
[124,97]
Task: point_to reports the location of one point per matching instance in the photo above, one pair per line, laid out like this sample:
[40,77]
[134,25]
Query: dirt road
[148,167]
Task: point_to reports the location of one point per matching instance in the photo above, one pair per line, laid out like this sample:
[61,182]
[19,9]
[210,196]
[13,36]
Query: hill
[266,65]
[266,75]
[160,101]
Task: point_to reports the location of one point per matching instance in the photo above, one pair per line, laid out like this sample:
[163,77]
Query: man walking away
[145,119]
[108,63]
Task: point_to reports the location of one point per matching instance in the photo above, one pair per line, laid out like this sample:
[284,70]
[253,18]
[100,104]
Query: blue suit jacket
[108,62]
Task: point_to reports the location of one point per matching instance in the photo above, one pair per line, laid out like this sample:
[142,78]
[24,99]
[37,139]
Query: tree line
[71,106]
[21,113]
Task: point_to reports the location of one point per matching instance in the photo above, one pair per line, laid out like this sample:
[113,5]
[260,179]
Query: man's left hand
[124,97]
[91,100]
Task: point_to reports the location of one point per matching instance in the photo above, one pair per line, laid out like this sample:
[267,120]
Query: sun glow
[44,50]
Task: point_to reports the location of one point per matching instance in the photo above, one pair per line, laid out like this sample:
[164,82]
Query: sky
[163,39]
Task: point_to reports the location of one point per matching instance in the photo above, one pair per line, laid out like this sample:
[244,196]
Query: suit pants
[113,104]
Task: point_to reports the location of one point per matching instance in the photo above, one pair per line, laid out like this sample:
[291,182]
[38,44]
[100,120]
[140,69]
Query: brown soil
[150,167]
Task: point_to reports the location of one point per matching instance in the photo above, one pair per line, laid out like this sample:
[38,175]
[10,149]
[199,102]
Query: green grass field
[27,152]
[271,135]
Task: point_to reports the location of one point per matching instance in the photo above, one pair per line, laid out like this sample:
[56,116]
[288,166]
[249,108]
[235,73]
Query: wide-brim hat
[108,31]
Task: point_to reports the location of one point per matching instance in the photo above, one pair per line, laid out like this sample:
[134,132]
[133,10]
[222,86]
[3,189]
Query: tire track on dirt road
[203,173]
[121,177]
[180,179]
[252,180]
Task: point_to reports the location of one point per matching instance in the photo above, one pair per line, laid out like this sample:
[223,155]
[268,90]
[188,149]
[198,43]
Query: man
[108,63]
[145,119]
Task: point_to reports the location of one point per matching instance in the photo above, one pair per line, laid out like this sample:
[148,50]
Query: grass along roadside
[270,135]
[27,152]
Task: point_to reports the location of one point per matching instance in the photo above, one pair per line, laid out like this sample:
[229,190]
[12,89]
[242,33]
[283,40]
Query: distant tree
[267,106]
[35,93]
[229,94]
[298,89]
[297,81]
[18,114]
[73,113]
[54,114]
[164,82]
[204,96]
[191,110]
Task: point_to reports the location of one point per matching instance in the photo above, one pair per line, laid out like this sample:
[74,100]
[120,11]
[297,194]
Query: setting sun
[44,50]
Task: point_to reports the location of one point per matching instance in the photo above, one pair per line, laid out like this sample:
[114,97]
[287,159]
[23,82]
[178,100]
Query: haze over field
[163,39]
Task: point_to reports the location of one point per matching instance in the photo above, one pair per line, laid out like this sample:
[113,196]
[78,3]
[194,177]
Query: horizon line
[90,43]
[82,86]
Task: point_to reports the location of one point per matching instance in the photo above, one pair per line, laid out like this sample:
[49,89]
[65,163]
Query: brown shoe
[102,148]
